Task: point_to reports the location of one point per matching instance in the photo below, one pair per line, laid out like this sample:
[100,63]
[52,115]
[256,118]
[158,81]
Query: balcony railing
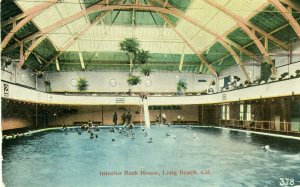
[266,126]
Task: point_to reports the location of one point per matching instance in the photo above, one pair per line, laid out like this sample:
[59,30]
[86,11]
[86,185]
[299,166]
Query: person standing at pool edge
[115,119]
[124,118]
[128,118]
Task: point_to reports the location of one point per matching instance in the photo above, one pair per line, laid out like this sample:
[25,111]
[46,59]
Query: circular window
[73,82]
[148,83]
[113,82]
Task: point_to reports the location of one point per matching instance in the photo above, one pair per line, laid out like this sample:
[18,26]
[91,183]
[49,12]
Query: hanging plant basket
[82,84]
[181,86]
[146,70]
[130,45]
[142,56]
[133,80]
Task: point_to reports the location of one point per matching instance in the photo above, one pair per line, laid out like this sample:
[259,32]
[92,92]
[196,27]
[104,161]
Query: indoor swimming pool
[178,156]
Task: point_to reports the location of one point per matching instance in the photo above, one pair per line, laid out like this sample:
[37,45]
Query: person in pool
[266,148]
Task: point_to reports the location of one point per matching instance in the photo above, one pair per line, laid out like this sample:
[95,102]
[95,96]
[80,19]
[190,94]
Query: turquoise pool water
[188,157]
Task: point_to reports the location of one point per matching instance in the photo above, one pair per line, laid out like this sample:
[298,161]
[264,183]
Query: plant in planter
[284,75]
[24,66]
[82,84]
[142,56]
[146,70]
[181,86]
[247,83]
[297,73]
[258,81]
[48,85]
[131,46]
[40,74]
[133,80]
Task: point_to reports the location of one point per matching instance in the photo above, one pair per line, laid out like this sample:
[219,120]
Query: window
[248,112]
[241,111]
[225,112]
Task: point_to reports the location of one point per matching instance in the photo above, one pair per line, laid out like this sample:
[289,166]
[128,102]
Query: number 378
[286,181]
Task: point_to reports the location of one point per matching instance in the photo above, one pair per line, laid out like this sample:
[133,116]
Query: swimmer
[79,132]
[149,140]
[96,136]
[146,134]
[167,134]
[113,129]
[91,136]
[194,136]
[266,148]
[174,137]
[112,139]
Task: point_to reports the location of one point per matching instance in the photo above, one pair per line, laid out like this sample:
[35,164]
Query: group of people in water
[17,135]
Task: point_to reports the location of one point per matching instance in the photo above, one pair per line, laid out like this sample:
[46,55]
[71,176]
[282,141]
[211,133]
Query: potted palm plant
[142,56]
[133,80]
[131,47]
[82,84]
[146,70]
[181,86]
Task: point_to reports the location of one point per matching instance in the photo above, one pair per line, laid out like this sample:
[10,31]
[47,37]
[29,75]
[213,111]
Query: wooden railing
[269,126]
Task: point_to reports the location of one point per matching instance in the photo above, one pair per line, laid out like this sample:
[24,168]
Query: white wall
[284,63]
[253,70]
[100,81]
[23,77]
[276,89]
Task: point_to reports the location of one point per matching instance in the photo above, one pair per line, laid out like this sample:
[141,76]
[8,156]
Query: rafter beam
[98,7]
[81,61]
[35,11]
[291,4]
[79,34]
[220,38]
[22,15]
[211,69]
[251,33]
[181,59]
[57,65]
[287,15]
[247,52]
[165,3]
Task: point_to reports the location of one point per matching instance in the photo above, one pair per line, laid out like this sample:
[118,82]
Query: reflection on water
[187,157]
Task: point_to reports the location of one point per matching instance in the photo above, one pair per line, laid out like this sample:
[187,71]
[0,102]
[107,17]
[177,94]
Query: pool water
[188,157]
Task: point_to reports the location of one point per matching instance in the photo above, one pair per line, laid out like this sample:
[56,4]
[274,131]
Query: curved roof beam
[287,15]
[291,4]
[211,68]
[73,39]
[36,10]
[98,7]
[247,30]
[220,39]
